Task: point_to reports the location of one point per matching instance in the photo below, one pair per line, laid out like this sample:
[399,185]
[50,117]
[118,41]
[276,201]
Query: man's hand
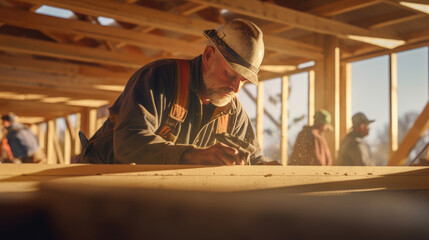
[218,154]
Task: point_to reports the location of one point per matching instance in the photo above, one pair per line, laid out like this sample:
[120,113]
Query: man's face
[364,129]
[6,123]
[222,82]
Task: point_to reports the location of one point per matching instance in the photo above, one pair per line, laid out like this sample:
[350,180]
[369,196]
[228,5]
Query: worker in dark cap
[22,142]
[353,150]
[310,147]
[171,109]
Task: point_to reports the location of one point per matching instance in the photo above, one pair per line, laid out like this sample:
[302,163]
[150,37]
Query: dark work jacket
[129,137]
[21,140]
[354,151]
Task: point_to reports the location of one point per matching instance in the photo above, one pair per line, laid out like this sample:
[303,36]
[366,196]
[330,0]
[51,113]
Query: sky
[370,94]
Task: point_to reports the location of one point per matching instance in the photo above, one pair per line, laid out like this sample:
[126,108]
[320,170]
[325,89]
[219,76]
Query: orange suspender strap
[178,111]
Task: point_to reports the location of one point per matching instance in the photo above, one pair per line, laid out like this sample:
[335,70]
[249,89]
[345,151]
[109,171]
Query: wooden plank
[37,108]
[73,134]
[288,179]
[266,112]
[89,121]
[393,128]
[342,6]
[50,148]
[60,80]
[54,91]
[418,129]
[47,23]
[77,144]
[285,119]
[311,98]
[274,13]
[260,114]
[414,5]
[345,99]
[371,52]
[66,68]
[392,19]
[42,138]
[68,145]
[332,91]
[159,19]
[85,54]
[58,152]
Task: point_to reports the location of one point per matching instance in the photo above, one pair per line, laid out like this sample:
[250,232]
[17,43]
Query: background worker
[310,147]
[170,109]
[353,150]
[22,142]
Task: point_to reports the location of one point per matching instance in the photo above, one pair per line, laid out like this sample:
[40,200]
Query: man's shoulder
[164,63]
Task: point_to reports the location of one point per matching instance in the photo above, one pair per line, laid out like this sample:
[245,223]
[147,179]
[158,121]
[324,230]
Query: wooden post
[42,138]
[57,147]
[345,99]
[393,131]
[285,116]
[260,114]
[50,148]
[34,129]
[328,89]
[89,121]
[68,144]
[77,146]
[311,90]
[421,125]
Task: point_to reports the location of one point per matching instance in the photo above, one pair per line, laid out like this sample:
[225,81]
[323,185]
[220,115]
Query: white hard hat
[240,43]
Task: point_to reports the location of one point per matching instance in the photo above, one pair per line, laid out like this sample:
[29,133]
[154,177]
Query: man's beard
[218,96]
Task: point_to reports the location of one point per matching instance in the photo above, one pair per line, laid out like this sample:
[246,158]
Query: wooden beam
[285,119]
[311,94]
[273,28]
[345,99]
[308,180]
[78,126]
[270,75]
[188,8]
[159,19]
[85,54]
[57,147]
[393,129]
[73,133]
[50,91]
[266,112]
[371,52]
[418,129]
[68,145]
[42,22]
[342,6]
[260,114]
[275,13]
[331,91]
[50,148]
[131,13]
[41,136]
[59,80]
[73,69]
[388,19]
[33,108]
[89,121]
[419,6]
